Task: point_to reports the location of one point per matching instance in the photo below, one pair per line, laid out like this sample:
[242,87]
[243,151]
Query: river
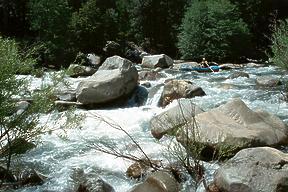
[58,157]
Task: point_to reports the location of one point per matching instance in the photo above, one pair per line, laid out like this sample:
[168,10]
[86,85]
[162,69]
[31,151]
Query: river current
[58,157]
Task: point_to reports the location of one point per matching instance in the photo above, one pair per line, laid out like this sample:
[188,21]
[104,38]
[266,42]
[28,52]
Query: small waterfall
[154,95]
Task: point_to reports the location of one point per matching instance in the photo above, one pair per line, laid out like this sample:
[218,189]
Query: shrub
[50,19]
[280,45]
[213,29]
[154,23]
[93,25]
[21,123]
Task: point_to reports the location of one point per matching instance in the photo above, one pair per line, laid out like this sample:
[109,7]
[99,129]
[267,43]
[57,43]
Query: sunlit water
[57,157]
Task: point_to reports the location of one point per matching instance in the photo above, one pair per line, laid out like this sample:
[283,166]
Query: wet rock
[139,97]
[141,168]
[17,146]
[112,48]
[146,84]
[75,70]
[65,94]
[158,182]
[176,89]
[31,177]
[89,182]
[154,61]
[255,65]
[6,175]
[228,66]
[261,169]
[150,75]
[267,81]
[238,74]
[187,66]
[115,79]
[233,126]
[134,53]
[174,116]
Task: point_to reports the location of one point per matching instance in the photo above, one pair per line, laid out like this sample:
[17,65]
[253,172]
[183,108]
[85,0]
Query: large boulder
[233,126]
[154,61]
[176,89]
[177,114]
[266,81]
[261,169]
[158,182]
[115,79]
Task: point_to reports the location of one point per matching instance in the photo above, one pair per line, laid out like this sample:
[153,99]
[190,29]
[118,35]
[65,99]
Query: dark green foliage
[13,21]
[93,25]
[213,29]
[50,19]
[260,16]
[152,23]
[280,46]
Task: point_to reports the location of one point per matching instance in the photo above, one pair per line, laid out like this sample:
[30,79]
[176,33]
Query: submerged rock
[176,89]
[150,75]
[17,146]
[267,81]
[6,175]
[233,126]
[154,61]
[158,182]
[238,74]
[89,182]
[115,79]
[261,169]
[31,177]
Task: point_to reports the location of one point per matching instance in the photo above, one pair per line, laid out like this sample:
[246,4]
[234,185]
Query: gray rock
[31,177]
[6,175]
[169,120]
[65,94]
[266,81]
[94,60]
[261,169]
[112,48]
[150,75]
[76,70]
[115,79]
[235,126]
[154,61]
[176,89]
[89,182]
[238,74]
[21,106]
[17,146]
[138,97]
[158,182]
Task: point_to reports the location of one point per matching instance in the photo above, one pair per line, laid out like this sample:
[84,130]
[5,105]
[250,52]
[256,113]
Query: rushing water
[58,158]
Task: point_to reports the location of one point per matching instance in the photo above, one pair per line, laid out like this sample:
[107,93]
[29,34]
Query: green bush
[280,46]
[93,25]
[213,29]
[50,19]
[21,123]
[152,23]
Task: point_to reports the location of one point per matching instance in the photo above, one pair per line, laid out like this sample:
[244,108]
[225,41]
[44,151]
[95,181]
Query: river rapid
[58,157]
